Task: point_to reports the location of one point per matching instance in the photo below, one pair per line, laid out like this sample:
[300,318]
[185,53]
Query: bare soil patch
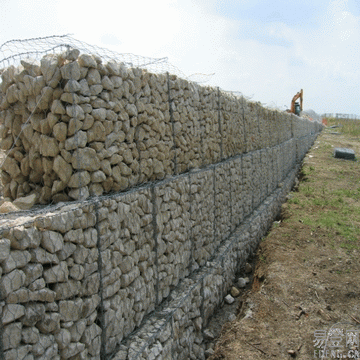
[307,273]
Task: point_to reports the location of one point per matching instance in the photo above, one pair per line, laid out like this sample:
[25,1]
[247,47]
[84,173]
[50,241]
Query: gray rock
[52,241]
[42,295]
[229,299]
[44,342]
[11,336]
[12,312]
[20,353]
[72,86]
[71,310]
[85,159]
[37,285]
[63,338]
[33,313]
[79,140]
[57,274]
[75,111]
[50,324]
[11,282]
[209,335]
[16,259]
[48,65]
[248,268]
[70,71]
[67,289]
[4,249]
[72,349]
[87,61]
[43,257]
[26,202]
[343,153]
[30,335]
[241,283]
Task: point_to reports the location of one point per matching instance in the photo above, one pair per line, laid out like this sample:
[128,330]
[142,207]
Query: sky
[267,50]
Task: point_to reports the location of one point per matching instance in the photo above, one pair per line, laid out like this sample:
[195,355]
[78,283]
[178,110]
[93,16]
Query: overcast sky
[265,49]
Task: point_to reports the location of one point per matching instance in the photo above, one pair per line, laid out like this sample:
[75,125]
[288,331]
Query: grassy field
[348,127]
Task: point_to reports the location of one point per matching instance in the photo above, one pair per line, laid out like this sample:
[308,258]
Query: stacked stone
[175,331]
[84,278]
[50,287]
[281,165]
[273,128]
[284,159]
[218,275]
[77,282]
[290,155]
[202,216]
[77,126]
[213,290]
[250,125]
[232,125]
[187,321]
[237,193]
[264,125]
[284,124]
[209,115]
[153,131]
[277,165]
[265,175]
[247,184]
[222,198]
[185,100]
[172,233]
[93,127]
[54,262]
[271,171]
[128,271]
[256,178]
[304,133]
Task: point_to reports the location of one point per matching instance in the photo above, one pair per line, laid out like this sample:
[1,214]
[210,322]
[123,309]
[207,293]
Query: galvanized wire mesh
[69,271]
[68,267]
[11,53]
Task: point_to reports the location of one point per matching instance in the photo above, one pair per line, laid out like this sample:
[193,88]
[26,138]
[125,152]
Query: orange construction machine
[296,108]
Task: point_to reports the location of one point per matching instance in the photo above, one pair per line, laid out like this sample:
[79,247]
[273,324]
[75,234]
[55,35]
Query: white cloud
[271,60]
[141,27]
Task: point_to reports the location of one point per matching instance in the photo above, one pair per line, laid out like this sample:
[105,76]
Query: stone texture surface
[92,271]
[92,119]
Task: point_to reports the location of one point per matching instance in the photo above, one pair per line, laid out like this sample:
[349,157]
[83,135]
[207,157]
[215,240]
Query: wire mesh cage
[13,51]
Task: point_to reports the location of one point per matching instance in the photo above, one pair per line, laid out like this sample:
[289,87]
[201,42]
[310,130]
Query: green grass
[294,200]
[353,194]
[328,196]
[350,127]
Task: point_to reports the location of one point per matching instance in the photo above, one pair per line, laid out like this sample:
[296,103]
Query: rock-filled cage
[149,192]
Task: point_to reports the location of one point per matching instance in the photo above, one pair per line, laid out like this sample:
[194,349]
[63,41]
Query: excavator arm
[299,95]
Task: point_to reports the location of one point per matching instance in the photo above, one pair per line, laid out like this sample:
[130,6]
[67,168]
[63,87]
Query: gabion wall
[135,274]
[73,126]
[79,279]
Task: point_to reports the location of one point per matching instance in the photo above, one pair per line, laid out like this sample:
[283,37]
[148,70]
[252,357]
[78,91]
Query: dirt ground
[303,298]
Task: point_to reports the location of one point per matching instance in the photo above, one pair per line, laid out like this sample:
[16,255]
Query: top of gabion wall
[75,124]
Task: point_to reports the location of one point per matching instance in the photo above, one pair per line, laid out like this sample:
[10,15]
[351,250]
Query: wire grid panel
[13,51]
[89,131]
